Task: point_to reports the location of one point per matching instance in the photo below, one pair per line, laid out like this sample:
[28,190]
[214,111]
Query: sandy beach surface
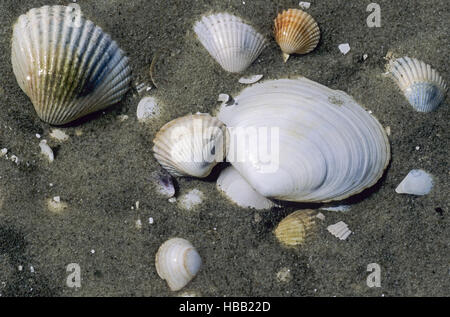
[106,164]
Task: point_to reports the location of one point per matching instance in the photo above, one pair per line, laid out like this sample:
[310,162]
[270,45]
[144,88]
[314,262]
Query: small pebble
[150,220]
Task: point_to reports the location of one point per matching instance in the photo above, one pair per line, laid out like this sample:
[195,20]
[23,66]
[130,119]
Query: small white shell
[66,65]
[59,135]
[177,262]
[47,150]
[163,183]
[339,230]
[147,109]
[191,145]
[344,48]
[422,85]
[236,188]
[230,41]
[417,182]
[337,208]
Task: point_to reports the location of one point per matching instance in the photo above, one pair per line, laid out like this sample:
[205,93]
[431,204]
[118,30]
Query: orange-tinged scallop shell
[296,32]
[296,228]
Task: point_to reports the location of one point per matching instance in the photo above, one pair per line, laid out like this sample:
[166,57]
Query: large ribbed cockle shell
[66,65]
[422,85]
[297,140]
[191,145]
[177,262]
[296,32]
[229,40]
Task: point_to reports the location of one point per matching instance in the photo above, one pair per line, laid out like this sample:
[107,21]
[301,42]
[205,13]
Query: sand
[106,164]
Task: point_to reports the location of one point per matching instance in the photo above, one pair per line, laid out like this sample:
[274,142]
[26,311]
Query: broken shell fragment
[236,188]
[191,145]
[231,42]
[339,230]
[296,32]
[250,80]
[422,85]
[163,183]
[46,150]
[147,109]
[417,182]
[296,228]
[177,262]
[66,65]
[59,135]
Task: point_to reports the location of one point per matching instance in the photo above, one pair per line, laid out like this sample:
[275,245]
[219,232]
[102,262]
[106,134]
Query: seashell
[59,135]
[147,109]
[417,182]
[229,40]
[236,188]
[344,48]
[191,200]
[342,208]
[191,145]
[177,262]
[250,80]
[339,230]
[296,140]
[163,183]
[47,151]
[296,32]
[66,65]
[422,85]
[296,228]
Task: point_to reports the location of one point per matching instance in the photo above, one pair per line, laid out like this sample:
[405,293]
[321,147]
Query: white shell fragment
[177,262]
[304,5]
[56,205]
[417,182]
[223,98]
[147,109]
[230,41]
[46,150]
[341,208]
[344,48]
[339,230]
[296,140]
[59,135]
[320,216]
[191,145]
[422,85]
[163,183]
[236,188]
[192,199]
[250,80]
[66,65]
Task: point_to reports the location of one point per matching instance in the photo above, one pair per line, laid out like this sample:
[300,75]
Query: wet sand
[101,173]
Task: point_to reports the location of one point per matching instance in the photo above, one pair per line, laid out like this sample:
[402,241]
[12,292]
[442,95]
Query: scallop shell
[296,228]
[231,42]
[340,230]
[236,188]
[417,182]
[66,65]
[296,32]
[177,262]
[191,145]
[296,140]
[422,85]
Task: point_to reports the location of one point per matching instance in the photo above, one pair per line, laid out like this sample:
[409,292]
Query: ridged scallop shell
[296,32]
[422,85]
[417,182]
[231,42]
[177,262]
[191,145]
[296,228]
[236,188]
[297,140]
[66,65]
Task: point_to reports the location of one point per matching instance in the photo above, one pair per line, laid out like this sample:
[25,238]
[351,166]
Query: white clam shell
[177,262]
[191,145]
[231,42]
[417,182]
[422,85]
[340,230]
[66,65]
[236,188]
[297,140]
